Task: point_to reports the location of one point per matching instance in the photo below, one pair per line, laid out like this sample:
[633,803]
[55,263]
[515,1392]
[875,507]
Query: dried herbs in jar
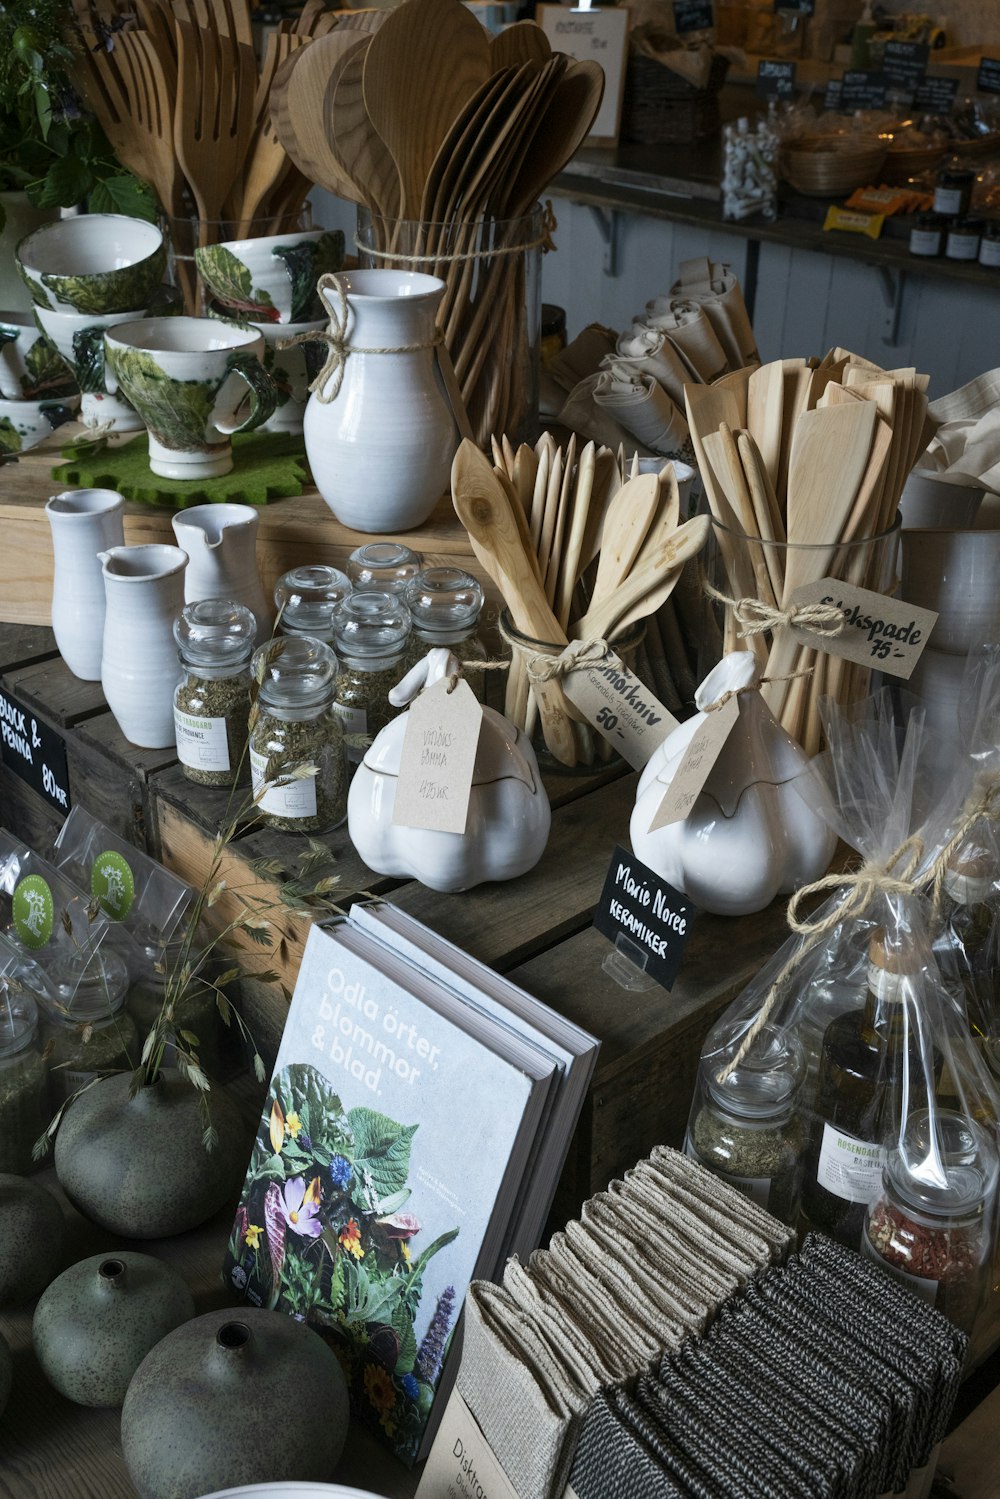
[215,640]
[445,604]
[371,630]
[297,742]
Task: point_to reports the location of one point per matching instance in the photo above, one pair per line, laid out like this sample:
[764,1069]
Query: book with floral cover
[386,1171]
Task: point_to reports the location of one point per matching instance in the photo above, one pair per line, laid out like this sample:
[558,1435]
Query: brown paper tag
[698,759]
[461,1462]
[620,707]
[880,632]
[438,759]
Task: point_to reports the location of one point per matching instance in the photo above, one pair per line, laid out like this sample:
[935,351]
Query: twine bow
[577,656]
[754,616]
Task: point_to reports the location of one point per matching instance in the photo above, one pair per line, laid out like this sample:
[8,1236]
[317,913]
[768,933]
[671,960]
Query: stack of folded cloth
[644,1271]
[823,1379]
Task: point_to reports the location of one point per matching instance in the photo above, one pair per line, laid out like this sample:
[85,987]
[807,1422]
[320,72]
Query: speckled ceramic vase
[138,1167]
[97,1321]
[6,1372]
[234,1397]
[32,1233]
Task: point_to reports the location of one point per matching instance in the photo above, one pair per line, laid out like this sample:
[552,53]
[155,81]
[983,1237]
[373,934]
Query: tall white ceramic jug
[221,544]
[83,523]
[379,432]
[144,587]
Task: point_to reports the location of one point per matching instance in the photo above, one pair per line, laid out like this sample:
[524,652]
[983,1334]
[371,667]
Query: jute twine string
[983,802]
[860,889]
[457,676]
[758,686]
[755,617]
[335,338]
[454,257]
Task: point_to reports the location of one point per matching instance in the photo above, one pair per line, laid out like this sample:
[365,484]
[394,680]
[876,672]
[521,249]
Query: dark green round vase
[32,1234]
[97,1321]
[234,1397]
[138,1166]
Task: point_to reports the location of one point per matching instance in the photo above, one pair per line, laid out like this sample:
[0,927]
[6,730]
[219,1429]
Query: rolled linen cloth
[581,413]
[689,329]
[643,407]
[651,351]
[583,356]
[714,287]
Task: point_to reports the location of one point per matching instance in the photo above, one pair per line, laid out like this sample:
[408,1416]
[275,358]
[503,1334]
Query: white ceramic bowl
[31,368]
[954,573]
[928,502]
[271,279]
[94,262]
[25,423]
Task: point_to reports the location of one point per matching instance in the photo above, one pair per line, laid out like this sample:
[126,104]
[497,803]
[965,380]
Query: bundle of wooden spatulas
[539,520]
[803,468]
[447,136]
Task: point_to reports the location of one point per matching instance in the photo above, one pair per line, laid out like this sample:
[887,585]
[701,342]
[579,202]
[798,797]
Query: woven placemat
[266,466]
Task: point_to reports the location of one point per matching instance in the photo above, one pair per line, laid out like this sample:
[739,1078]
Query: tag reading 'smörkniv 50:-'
[884,633]
[620,707]
[696,763]
[438,759]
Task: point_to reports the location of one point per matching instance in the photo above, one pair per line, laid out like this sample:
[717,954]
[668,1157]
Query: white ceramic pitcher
[221,544]
[144,588]
[82,521]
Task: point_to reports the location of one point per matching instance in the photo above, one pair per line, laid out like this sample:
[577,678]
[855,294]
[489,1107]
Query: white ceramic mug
[193,381]
[83,522]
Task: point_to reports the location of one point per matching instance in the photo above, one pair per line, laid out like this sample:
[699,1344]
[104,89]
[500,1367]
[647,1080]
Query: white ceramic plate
[293,1491]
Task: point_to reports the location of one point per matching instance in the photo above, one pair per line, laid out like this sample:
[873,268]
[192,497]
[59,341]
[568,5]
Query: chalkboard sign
[863,90]
[988,77]
[833,94]
[775,80]
[34,752]
[905,63]
[803,7]
[644,916]
[935,94]
[693,15]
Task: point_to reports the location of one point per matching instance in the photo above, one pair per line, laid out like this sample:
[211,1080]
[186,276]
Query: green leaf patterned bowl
[271,280]
[23,423]
[31,367]
[94,262]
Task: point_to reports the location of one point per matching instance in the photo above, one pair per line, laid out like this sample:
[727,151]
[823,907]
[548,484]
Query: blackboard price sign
[34,752]
[833,94]
[935,94]
[905,63]
[863,90]
[988,77]
[802,7]
[647,919]
[775,79]
[693,15]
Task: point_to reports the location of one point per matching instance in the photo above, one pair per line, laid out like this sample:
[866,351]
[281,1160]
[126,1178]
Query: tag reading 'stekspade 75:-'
[696,763]
[620,707]
[438,759]
[884,633]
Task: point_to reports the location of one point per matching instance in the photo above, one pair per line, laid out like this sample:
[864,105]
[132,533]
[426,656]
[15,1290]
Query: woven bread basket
[831,166]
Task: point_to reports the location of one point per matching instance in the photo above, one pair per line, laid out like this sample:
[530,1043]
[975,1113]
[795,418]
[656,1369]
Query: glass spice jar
[962,242]
[384,565]
[296,728]
[195,1010]
[371,631]
[306,598]
[215,640]
[87,1030]
[931,1224]
[927,235]
[745,1125]
[989,245]
[953,192]
[445,604]
[24,1082]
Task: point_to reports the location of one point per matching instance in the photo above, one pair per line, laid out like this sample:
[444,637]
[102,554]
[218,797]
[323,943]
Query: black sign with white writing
[988,77]
[804,7]
[34,752]
[693,15]
[775,80]
[832,94]
[936,94]
[863,90]
[905,64]
[644,917]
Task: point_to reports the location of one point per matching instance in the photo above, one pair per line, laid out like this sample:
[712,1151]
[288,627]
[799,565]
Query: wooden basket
[910,161]
[831,166]
[986,145]
[659,106]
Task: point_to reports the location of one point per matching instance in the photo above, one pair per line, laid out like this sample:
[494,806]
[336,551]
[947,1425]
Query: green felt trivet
[266,466]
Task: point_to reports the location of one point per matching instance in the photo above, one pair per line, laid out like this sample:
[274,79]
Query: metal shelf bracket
[893,285]
[609,227]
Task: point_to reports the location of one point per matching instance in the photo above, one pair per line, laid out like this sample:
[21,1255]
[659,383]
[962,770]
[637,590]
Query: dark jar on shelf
[297,740]
[215,640]
[953,192]
[927,235]
[963,239]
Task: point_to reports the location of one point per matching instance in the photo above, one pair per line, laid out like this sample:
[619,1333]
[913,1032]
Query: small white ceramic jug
[221,544]
[83,522]
[144,588]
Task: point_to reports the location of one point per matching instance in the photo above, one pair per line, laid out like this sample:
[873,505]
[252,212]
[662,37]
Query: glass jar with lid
[24,1083]
[931,1224]
[297,739]
[87,1030]
[215,640]
[306,598]
[445,604]
[371,632]
[195,1010]
[385,565]
[745,1122]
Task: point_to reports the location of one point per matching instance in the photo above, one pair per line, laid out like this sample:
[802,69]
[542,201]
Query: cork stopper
[892,955]
[969,876]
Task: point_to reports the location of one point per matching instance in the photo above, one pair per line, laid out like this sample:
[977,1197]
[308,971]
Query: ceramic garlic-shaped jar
[750,835]
[509,815]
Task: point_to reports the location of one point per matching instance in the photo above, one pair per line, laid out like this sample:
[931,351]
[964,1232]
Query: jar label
[33,910]
[926,1289]
[355,721]
[963,247]
[202,743]
[989,252]
[925,241]
[948,200]
[113,884]
[296,799]
[849,1168]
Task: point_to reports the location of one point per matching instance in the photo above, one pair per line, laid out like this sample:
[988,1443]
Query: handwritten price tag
[696,763]
[438,759]
[620,707]
[881,632]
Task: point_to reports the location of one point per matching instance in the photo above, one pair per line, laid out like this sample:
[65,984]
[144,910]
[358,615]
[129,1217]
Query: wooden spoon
[647,587]
[360,149]
[525,41]
[628,519]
